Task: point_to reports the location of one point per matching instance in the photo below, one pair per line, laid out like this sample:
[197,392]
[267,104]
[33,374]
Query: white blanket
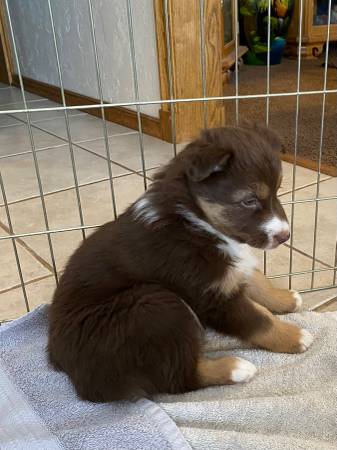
[290,404]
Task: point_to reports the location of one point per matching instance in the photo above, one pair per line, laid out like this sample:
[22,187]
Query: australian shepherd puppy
[128,315]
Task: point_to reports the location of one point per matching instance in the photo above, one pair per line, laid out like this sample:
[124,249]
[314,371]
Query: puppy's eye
[250,202]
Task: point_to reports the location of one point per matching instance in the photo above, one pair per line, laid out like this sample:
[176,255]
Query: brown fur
[261,290]
[281,337]
[121,322]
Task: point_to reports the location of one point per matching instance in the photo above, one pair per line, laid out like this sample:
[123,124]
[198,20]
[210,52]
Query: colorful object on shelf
[254,24]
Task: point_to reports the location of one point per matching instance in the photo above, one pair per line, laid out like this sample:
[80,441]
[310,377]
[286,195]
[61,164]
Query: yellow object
[281,7]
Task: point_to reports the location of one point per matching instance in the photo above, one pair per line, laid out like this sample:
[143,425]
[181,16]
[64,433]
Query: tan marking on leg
[281,337]
[226,370]
[261,290]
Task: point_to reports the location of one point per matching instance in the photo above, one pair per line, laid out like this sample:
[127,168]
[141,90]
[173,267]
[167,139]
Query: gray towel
[290,404]
[39,409]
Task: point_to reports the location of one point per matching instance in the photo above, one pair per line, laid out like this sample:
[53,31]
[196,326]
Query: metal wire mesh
[7,109]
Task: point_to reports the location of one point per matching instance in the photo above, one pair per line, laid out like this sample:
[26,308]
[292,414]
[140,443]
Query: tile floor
[89,151]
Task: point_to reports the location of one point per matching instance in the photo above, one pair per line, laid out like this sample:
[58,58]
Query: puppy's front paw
[297,300]
[284,337]
[306,340]
[286,301]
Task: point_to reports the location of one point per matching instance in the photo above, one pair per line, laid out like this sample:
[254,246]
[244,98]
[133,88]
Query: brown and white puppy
[125,318]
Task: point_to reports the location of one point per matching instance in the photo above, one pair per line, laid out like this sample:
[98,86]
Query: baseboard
[122,116]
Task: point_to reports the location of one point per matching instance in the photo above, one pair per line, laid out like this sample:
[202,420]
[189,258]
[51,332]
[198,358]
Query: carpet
[282,110]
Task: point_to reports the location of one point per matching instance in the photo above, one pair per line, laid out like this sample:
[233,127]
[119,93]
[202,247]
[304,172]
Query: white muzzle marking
[273,227]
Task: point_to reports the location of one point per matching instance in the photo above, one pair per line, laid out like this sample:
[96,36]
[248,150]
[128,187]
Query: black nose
[282,237]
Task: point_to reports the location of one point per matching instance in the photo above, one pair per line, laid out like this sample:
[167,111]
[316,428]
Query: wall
[32,28]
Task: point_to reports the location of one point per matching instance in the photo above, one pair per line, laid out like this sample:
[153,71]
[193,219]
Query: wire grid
[48,232]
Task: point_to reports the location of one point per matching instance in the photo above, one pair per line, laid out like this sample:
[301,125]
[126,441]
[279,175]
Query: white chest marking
[244,262]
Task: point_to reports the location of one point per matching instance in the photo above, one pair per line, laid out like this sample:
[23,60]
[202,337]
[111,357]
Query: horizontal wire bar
[27,283]
[21,101]
[174,101]
[304,272]
[129,169]
[127,133]
[68,188]
[29,152]
[327,301]
[49,119]
[307,255]
[303,187]
[309,200]
[47,232]
[78,228]
[66,143]
[322,288]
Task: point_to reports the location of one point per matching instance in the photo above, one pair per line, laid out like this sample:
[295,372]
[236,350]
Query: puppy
[128,314]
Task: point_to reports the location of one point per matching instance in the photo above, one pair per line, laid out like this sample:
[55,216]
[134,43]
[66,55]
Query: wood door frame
[184,45]
[230,46]
[6,68]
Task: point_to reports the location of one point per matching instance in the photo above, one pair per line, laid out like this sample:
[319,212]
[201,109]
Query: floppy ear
[268,135]
[205,162]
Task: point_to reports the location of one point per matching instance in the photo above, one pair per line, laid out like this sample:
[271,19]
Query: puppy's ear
[268,135]
[205,162]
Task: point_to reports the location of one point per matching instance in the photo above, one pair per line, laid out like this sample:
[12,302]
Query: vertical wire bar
[267,103]
[268,64]
[236,30]
[321,146]
[292,214]
[203,58]
[100,91]
[66,117]
[335,265]
[136,88]
[170,76]
[17,259]
[32,142]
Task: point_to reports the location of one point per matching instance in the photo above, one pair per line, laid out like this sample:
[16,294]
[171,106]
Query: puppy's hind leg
[226,370]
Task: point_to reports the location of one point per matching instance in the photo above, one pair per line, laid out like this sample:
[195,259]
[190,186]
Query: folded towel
[290,404]
[39,409]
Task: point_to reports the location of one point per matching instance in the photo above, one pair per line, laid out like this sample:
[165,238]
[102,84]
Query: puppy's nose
[283,236]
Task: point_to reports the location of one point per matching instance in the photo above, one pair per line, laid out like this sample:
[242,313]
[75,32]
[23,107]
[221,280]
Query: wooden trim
[6,57]
[122,116]
[310,164]
[213,44]
[165,111]
[161,51]
[230,46]
[184,20]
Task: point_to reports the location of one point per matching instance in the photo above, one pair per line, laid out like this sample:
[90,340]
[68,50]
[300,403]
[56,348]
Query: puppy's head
[234,175]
